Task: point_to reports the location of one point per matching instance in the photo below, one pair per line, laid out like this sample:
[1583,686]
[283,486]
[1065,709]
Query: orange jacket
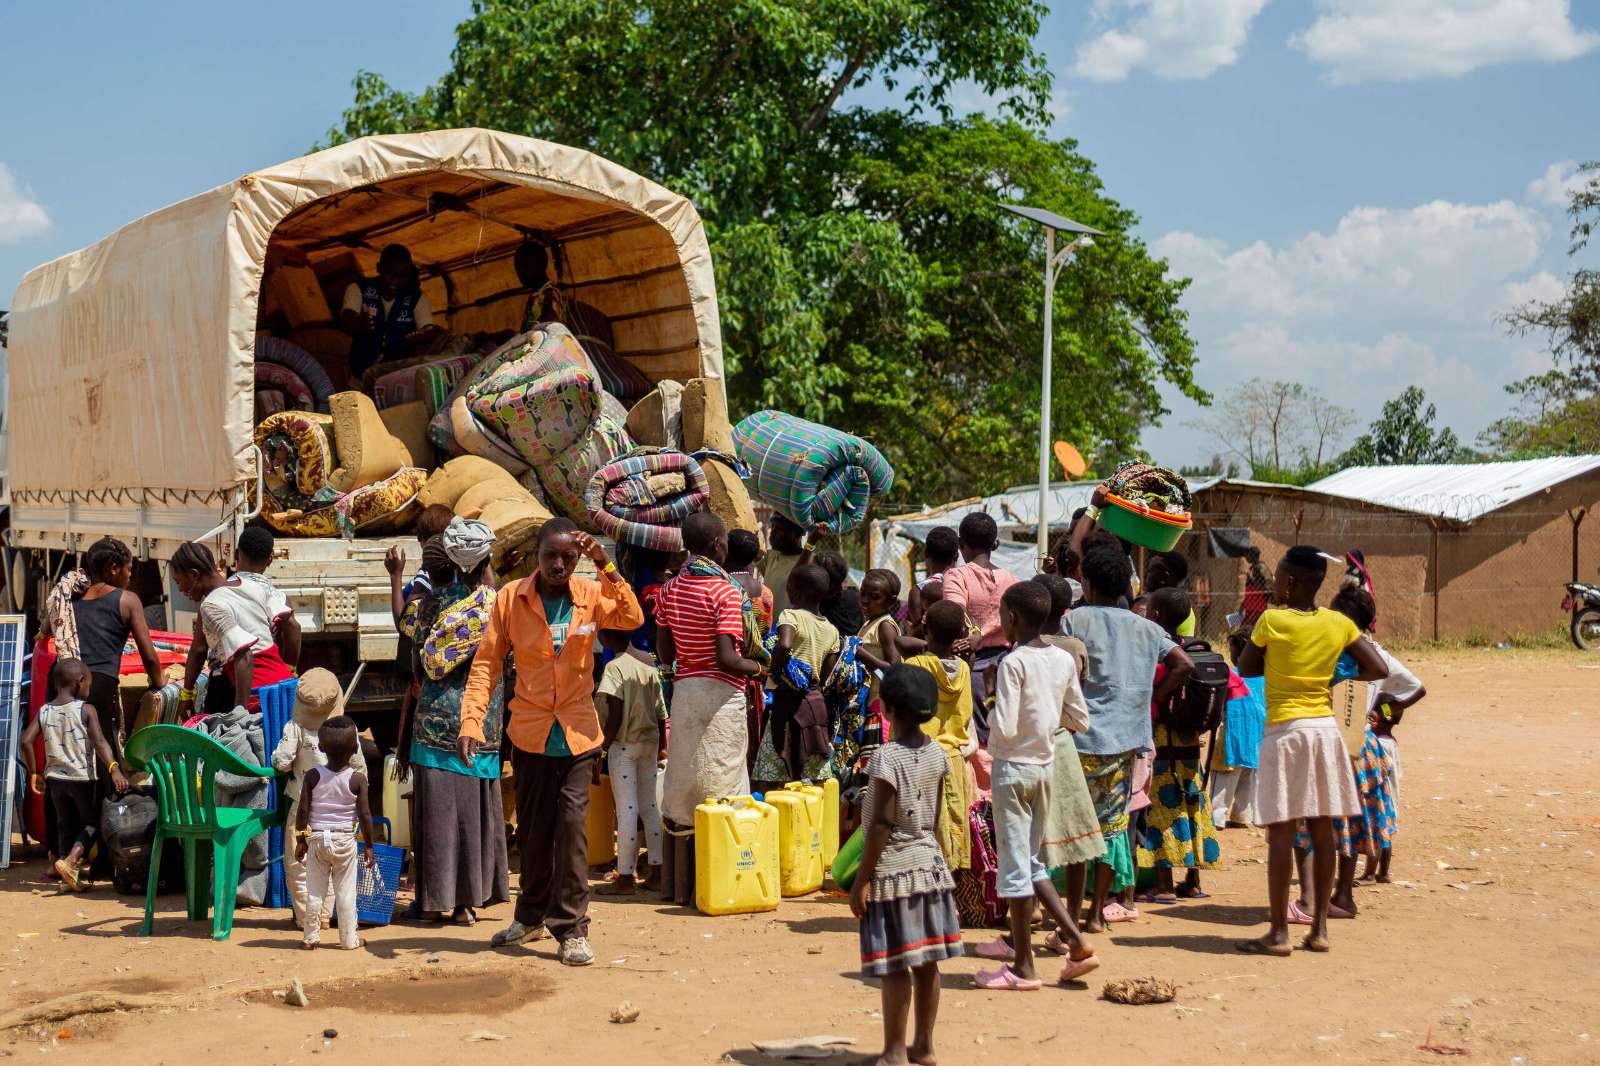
[550,687]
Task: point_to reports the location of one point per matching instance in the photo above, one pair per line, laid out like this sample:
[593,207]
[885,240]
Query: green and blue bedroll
[811,473]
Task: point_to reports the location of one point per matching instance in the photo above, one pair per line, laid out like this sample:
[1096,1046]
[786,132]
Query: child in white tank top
[333,801]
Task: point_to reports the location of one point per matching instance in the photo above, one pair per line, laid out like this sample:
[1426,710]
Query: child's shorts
[1021,793]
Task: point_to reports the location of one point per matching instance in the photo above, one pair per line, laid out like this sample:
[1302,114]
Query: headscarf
[468,543]
[58,609]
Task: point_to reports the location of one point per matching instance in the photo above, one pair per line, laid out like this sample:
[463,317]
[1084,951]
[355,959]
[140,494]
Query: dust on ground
[1484,942]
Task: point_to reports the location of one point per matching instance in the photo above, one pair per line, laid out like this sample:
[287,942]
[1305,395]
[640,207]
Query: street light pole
[1053,262]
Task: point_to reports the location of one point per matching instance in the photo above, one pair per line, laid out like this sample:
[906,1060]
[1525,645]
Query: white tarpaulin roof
[133,358]
[1464,492]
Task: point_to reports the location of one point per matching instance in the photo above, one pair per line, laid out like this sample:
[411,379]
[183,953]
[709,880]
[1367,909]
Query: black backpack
[1198,704]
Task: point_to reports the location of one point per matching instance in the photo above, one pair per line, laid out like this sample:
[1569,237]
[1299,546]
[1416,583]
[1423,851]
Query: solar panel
[12,640]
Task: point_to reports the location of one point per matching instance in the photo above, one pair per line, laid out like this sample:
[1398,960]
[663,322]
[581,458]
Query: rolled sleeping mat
[811,473]
[643,498]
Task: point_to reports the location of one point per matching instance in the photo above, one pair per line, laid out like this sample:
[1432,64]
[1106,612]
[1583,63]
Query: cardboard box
[297,290]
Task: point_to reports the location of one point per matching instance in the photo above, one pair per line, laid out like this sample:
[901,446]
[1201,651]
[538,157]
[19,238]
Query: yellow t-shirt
[951,724]
[1302,649]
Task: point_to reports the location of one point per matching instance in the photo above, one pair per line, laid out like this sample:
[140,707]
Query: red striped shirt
[698,610]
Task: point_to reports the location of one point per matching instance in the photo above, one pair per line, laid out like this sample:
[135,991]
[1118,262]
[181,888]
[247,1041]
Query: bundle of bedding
[811,473]
[476,488]
[341,473]
[643,499]
[429,381]
[692,417]
[288,368]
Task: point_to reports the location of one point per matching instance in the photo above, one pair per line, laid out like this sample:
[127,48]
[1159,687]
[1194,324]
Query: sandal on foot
[1003,980]
[1256,947]
[622,886]
[1297,914]
[1192,893]
[1336,911]
[1156,897]
[996,949]
[1076,969]
[1116,912]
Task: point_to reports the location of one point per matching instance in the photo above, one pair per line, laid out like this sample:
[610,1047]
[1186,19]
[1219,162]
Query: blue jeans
[1021,793]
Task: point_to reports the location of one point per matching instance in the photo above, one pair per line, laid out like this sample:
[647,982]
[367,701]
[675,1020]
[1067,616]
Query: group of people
[981,718]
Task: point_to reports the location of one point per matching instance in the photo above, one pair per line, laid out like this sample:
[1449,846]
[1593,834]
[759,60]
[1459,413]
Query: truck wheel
[1586,629]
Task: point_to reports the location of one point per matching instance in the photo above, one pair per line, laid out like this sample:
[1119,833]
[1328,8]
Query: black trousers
[553,840]
[77,810]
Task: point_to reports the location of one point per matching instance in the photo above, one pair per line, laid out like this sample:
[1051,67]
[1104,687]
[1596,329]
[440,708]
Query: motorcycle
[1583,601]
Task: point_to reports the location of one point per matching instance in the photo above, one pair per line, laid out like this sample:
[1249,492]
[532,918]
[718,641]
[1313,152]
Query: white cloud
[967,97]
[1403,40]
[1388,297]
[21,216]
[1170,38]
[1555,187]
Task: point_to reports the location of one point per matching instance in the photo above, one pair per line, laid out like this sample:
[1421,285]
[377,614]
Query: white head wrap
[468,542]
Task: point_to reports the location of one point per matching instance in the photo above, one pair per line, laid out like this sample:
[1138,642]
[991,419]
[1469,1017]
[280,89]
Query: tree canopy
[1403,433]
[866,276]
[1281,430]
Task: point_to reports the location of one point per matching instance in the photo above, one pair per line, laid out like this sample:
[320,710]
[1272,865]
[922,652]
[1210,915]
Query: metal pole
[1044,395]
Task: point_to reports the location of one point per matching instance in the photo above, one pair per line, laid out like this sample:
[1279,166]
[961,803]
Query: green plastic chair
[184,763]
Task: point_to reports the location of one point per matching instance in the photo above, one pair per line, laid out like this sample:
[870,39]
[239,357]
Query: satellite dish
[1072,463]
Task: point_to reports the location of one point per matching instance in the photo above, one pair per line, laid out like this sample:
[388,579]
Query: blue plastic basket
[277,707]
[376,888]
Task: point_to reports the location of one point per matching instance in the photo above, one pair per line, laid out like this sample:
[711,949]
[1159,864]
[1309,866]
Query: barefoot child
[333,801]
[1391,698]
[72,742]
[951,726]
[1034,681]
[634,719]
[1304,769]
[1124,650]
[798,746]
[903,892]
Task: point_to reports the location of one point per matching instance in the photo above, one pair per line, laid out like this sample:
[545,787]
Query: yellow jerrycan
[397,802]
[602,824]
[830,821]
[735,856]
[800,831]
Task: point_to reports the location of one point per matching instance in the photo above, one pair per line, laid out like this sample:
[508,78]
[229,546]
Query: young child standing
[798,746]
[317,698]
[1034,680]
[882,644]
[633,716]
[334,800]
[1124,650]
[976,586]
[940,551]
[744,551]
[951,725]
[1178,831]
[1390,698]
[1304,769]
[72,742]
[903,892]
[1237,745]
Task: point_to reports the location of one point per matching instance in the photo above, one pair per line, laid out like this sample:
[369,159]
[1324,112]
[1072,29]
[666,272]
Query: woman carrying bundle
[459,832]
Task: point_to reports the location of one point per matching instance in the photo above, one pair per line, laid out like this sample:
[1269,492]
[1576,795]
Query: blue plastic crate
[376,888]
[277,707]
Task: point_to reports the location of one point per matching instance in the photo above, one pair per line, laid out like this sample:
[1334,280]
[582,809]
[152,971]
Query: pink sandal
[1297,915]
[1116,912]
[997,950]
[1075,969]
[1003,980]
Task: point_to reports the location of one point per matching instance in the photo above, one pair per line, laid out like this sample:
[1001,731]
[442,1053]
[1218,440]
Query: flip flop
[1336,911]
[1116,912]
[1256,947]
[1196,894]
[1155,897]
[996,949]
[1075,969]
[1297,914]
[1003,980]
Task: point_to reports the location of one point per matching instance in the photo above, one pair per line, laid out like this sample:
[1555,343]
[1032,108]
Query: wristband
[113,766]
[186,693]
[609,568]
[1092,513]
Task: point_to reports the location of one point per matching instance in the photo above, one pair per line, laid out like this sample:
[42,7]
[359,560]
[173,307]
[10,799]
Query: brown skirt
[459,841]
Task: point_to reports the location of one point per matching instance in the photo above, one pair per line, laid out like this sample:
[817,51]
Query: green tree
[1571,323]
[865,275]
[1556,413]
[1404,433]
[1282,430]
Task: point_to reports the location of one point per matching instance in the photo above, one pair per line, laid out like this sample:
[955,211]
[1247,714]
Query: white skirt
[1304,772]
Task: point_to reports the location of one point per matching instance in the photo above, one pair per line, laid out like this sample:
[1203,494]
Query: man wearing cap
[317,698]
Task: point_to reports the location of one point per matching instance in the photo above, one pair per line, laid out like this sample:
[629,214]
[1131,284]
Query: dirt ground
[1481,944]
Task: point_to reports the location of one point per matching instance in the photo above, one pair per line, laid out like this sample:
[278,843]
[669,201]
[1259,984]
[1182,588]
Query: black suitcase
[127,831]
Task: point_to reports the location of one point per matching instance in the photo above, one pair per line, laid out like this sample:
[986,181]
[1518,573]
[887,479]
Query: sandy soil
[1482,943]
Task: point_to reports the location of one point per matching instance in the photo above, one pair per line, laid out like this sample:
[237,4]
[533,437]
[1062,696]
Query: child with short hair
[798,746]
[633,716]
[1034,680]
[1304,771]
[72,742]
[976,586]
[940,551]
[1178,830]
[1124,650]
[945,624]
[1390,699]
[334,800]
[1237,745]
[903,892]
[744,551]
[789,546]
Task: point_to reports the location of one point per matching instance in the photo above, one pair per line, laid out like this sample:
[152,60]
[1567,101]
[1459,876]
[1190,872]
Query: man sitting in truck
[388,315]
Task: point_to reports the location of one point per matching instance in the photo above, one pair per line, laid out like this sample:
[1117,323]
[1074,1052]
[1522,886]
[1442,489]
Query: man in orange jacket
[547,624]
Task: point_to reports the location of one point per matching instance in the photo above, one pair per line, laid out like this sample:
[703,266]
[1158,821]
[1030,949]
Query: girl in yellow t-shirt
[1304,770]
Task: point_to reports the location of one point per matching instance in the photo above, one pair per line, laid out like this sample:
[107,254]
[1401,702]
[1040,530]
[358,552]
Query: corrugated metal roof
[1463,492]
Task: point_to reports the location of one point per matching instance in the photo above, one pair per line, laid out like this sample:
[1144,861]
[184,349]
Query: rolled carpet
[811,473]
[276,350]
[644,498]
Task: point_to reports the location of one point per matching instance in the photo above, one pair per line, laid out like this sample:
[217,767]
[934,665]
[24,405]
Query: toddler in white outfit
[333,800]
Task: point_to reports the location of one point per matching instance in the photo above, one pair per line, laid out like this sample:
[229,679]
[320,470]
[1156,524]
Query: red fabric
[268,669]
[44,659]
[697,610]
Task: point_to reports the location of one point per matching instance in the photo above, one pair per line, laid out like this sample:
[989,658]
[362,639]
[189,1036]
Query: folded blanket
[542,350]
[643,499]
[566,478]
[432,383]
[276,350]
[811,473]
[276,377]
[540,415]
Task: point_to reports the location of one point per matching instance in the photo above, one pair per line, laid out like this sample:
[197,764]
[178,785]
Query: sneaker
[517,933]
[68,872]
[575,951]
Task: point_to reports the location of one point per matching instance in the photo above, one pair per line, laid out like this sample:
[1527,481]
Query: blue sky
[1357,186]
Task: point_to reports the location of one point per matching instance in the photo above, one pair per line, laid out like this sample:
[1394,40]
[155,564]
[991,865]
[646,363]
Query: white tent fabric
[133,358]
